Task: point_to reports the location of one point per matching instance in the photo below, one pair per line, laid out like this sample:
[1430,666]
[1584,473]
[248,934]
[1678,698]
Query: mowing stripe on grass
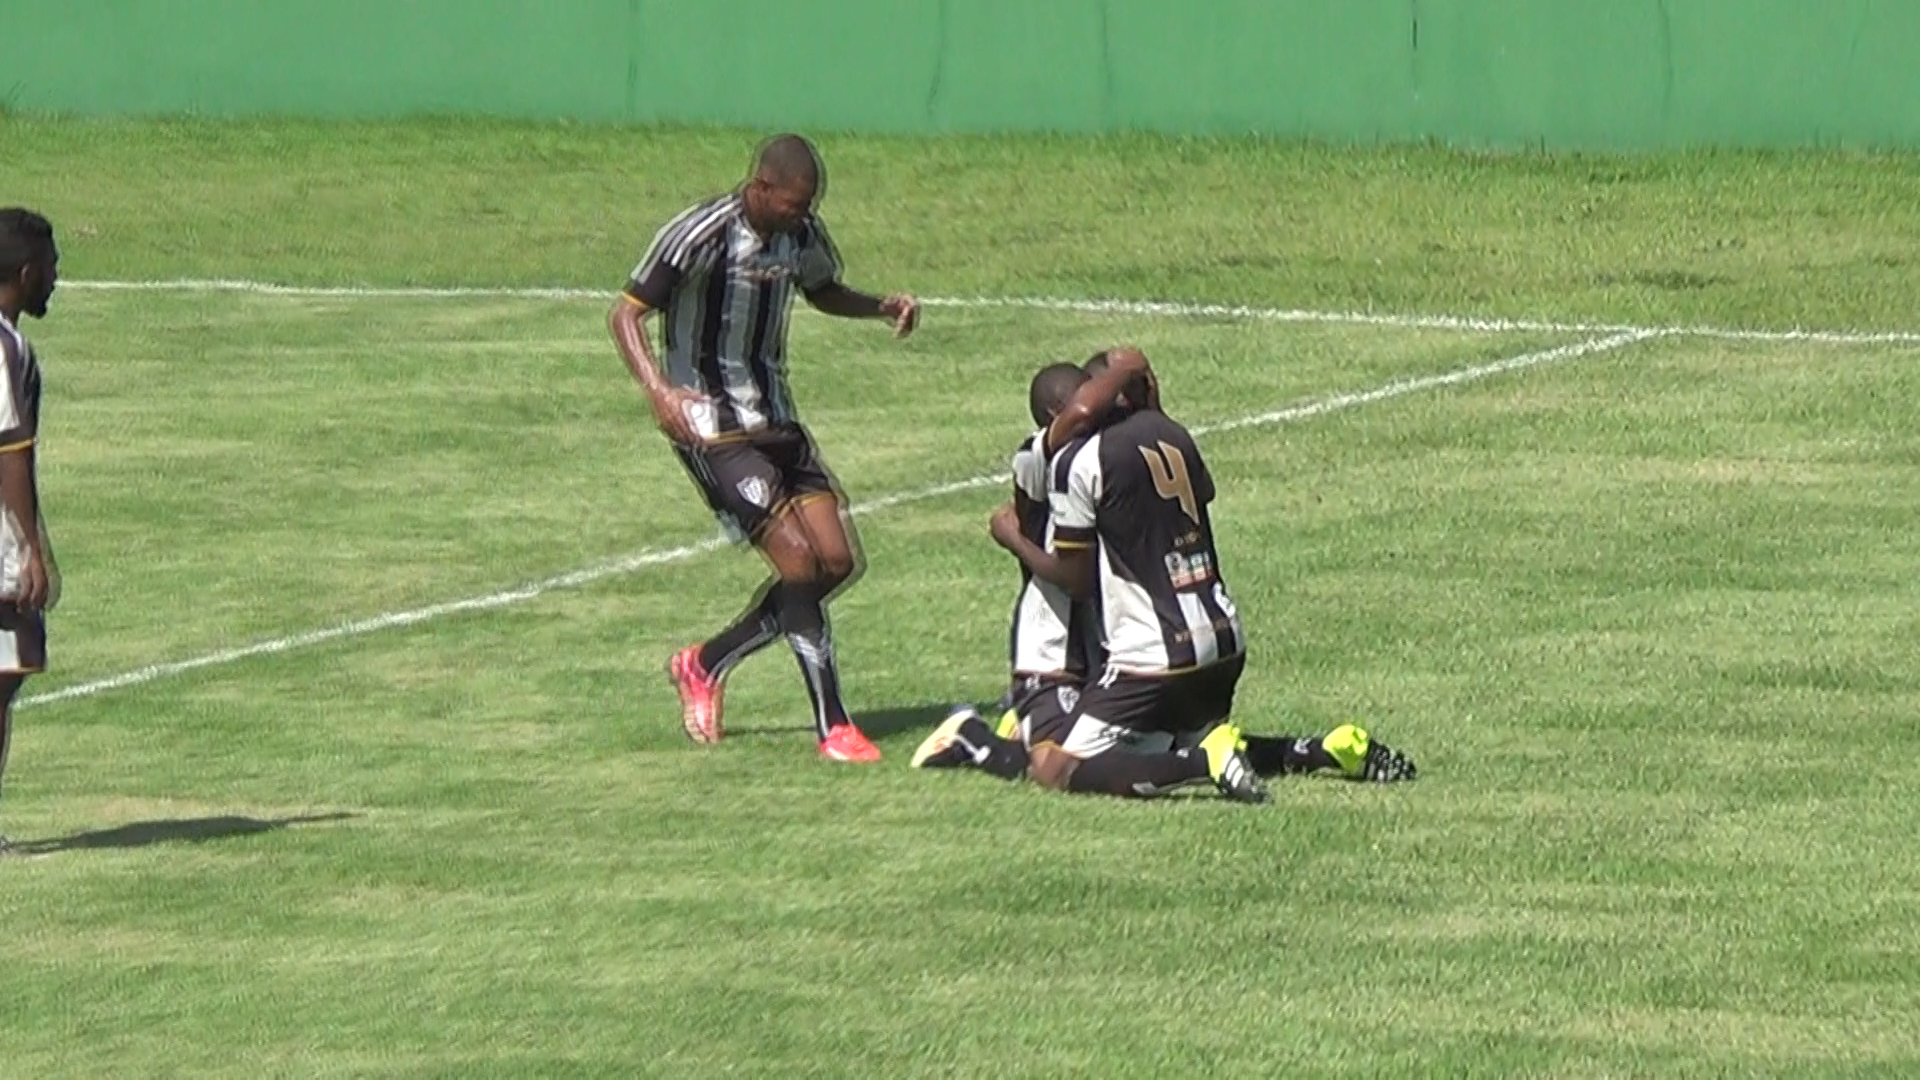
[588,575]
[1150,308]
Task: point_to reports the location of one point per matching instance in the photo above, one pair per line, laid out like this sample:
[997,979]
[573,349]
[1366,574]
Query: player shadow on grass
[189,830]
[877,723]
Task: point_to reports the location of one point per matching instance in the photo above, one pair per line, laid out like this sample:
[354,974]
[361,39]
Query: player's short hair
[1134,389]
[25,237]
[1051,389]
[790,159]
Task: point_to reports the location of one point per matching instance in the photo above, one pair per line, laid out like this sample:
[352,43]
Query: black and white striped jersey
[1052,635]
[724,293]
[19,427]
[1137,492]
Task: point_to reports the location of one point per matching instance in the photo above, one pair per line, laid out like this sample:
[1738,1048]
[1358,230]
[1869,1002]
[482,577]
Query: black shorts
[1044,707]
[23,640]
[748,481]
[1120,708]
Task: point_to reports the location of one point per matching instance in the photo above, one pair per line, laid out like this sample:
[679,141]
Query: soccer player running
[722,276]
[28,269]
[1181,683]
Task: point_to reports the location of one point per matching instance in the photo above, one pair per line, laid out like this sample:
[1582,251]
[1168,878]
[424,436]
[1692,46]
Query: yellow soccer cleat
[1228,765]
[1361,757]
[1347,744]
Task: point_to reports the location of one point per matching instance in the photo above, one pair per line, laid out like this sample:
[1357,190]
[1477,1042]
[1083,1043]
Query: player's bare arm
[1070,568]
[1096,397]
[628,324]
[837,299]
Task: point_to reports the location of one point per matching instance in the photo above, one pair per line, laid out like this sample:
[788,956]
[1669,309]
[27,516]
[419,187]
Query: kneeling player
[1079,739]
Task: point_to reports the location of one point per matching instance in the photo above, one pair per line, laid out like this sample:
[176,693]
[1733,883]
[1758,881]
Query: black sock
[756,628]
[1280,755]
[989,752]
[804,622]
[1140,776]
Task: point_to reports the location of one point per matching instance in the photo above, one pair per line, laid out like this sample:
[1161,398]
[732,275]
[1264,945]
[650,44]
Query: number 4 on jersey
[1169,468]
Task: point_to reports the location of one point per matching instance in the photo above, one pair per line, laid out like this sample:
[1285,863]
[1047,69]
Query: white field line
[591,574]
[1148,308]
[388,621]
[1433,382]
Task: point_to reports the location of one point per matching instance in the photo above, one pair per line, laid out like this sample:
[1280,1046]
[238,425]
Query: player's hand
[1130,359]
[1005,526]
[673,409]
[33,582]
[904,311]
[1127,358]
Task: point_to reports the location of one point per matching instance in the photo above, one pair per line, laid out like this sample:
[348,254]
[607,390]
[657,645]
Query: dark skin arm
[23,502]
[838,300]
[627,323]
[1098,395]
[1071,569]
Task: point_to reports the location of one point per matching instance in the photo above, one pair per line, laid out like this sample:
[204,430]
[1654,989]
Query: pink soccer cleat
[844,742]
[699,695]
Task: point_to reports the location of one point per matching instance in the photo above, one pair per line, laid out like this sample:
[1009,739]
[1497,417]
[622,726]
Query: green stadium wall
[1556,73]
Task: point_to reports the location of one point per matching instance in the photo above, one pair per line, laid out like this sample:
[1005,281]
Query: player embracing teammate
[1127,538]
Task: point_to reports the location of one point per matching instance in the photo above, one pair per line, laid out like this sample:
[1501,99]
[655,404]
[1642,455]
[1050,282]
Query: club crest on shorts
[1069,697]
[755,490]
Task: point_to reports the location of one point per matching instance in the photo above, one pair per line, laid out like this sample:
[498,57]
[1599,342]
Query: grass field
[1645,615]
